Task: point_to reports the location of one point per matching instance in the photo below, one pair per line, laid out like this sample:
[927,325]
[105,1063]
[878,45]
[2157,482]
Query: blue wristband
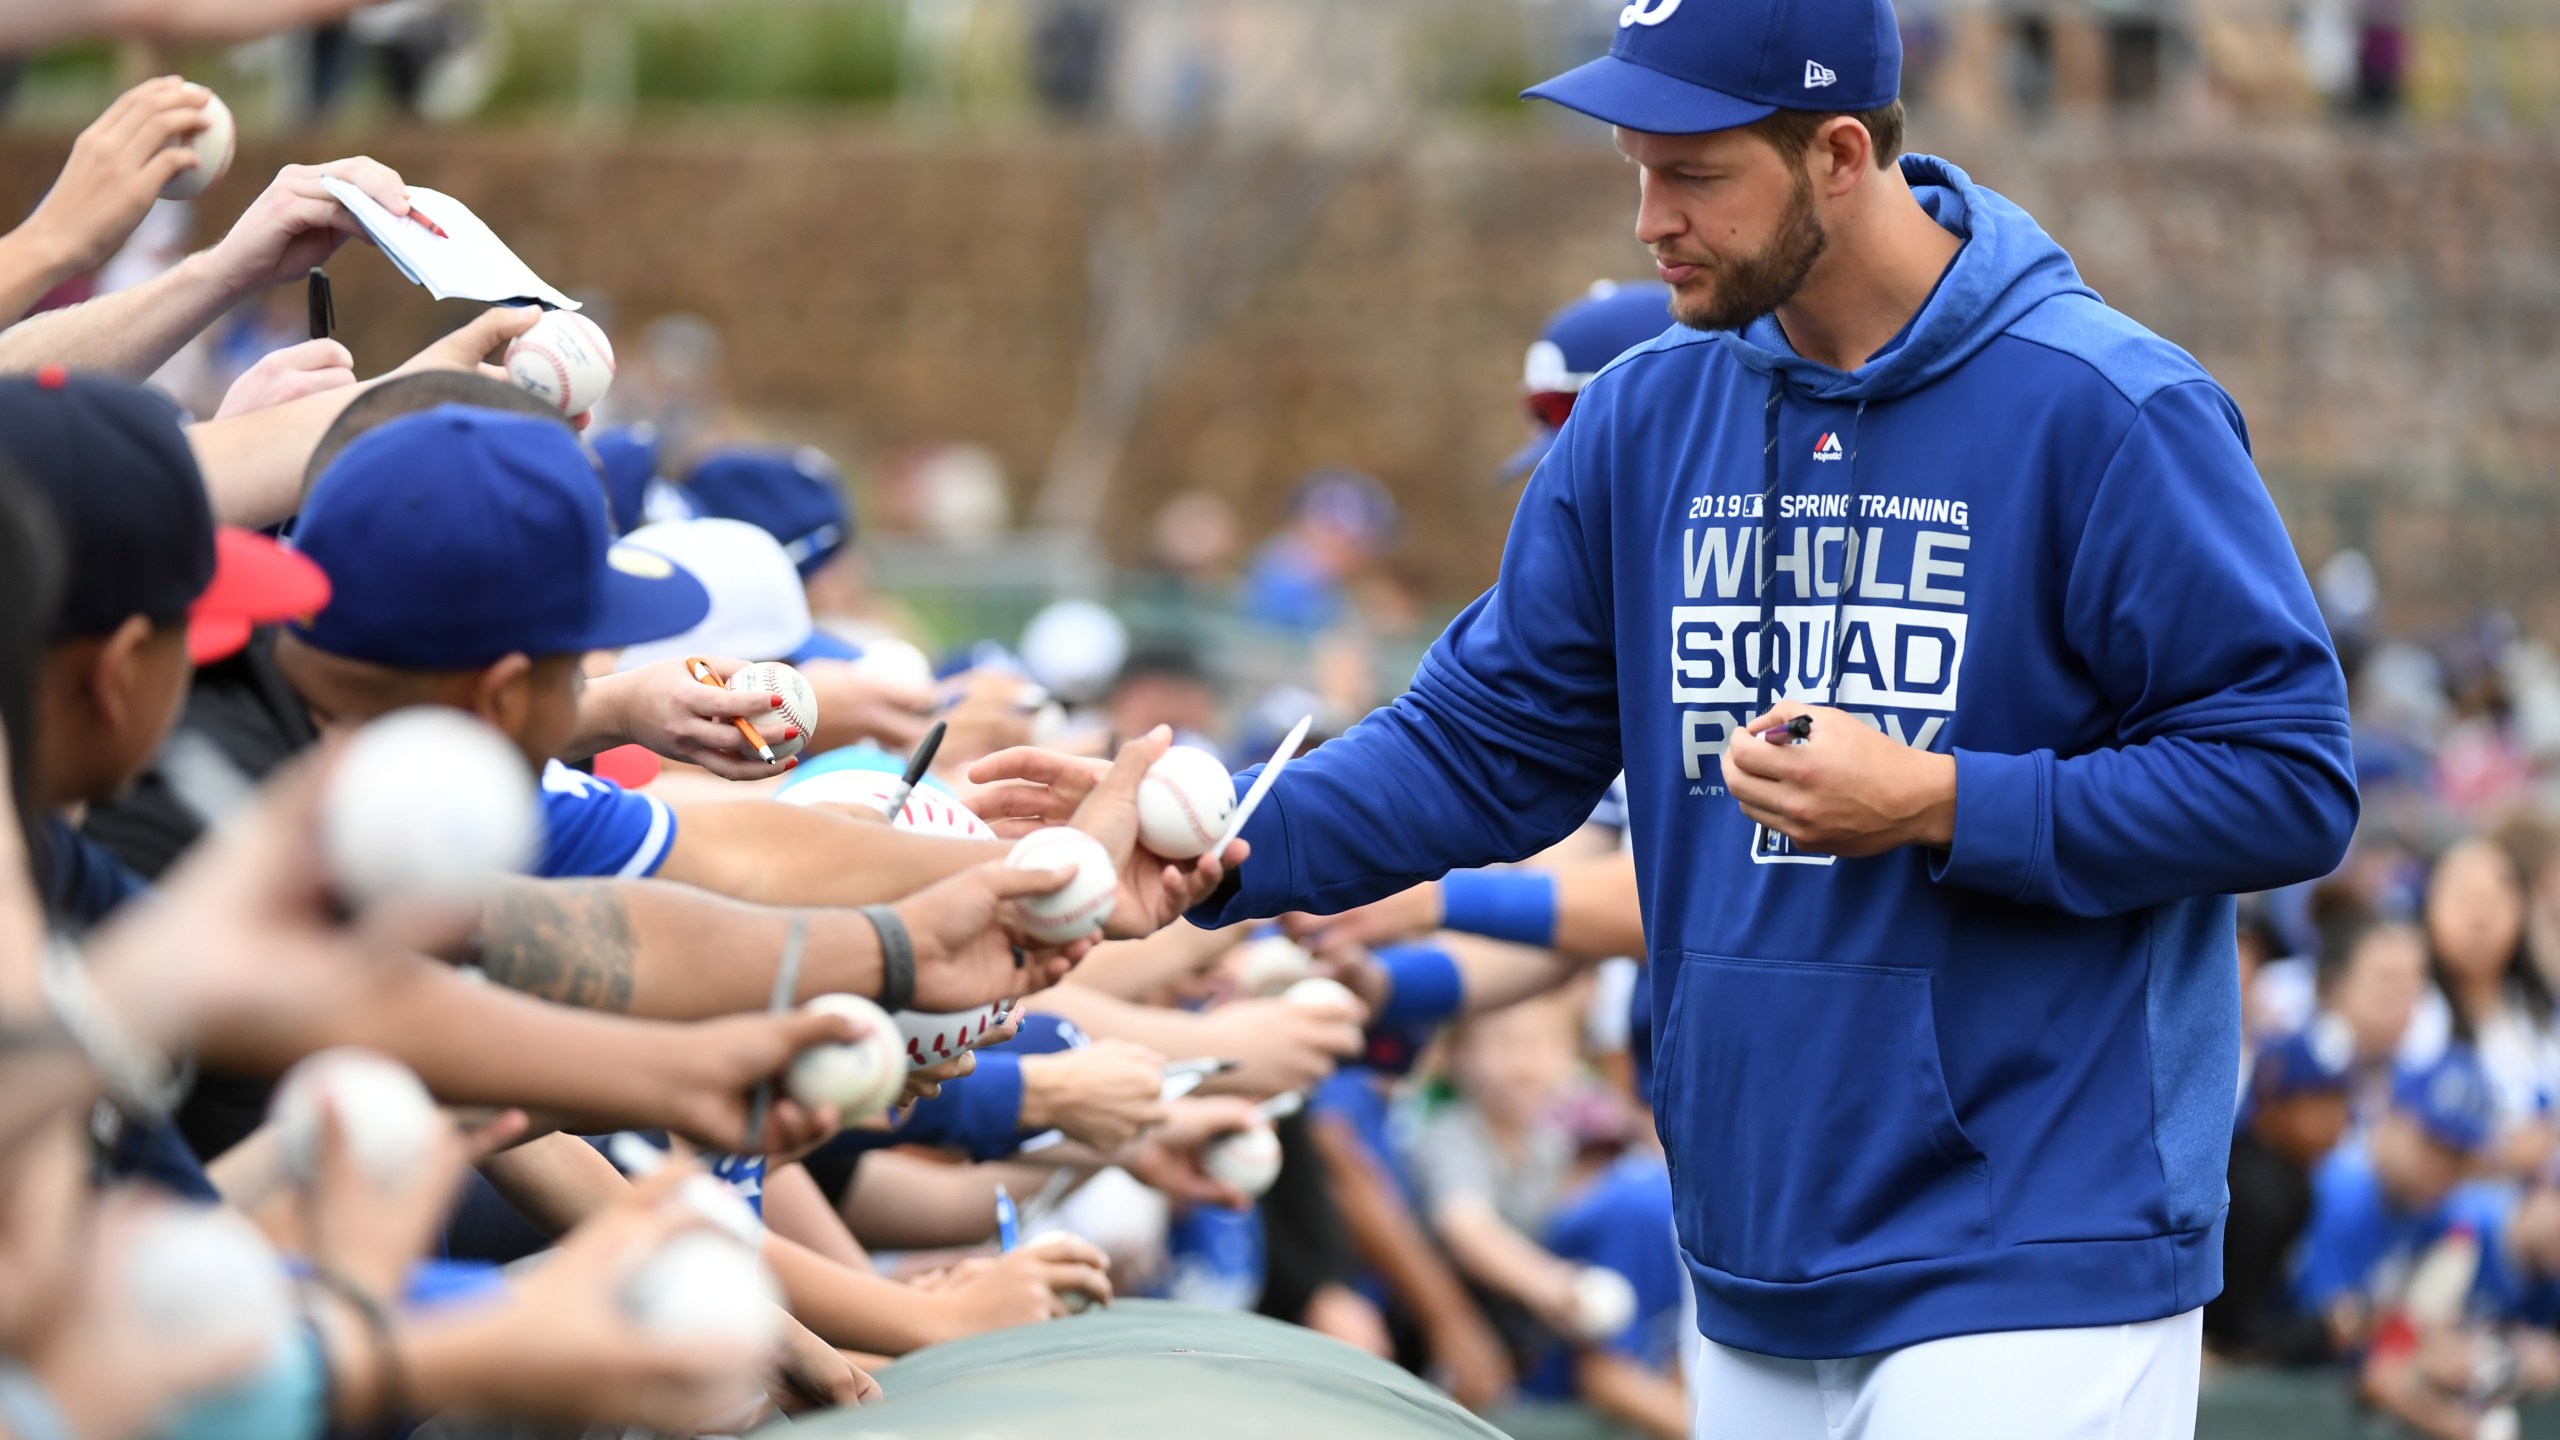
[1424,987]
[1514,905]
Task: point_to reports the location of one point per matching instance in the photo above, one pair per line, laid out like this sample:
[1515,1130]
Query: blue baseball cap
[2449,1100]
[2318,1059]
[1580,340]
[796,496]
[457,536]
[1685,67]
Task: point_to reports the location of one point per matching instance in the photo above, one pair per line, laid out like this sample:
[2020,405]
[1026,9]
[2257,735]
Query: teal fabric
[1142,1368]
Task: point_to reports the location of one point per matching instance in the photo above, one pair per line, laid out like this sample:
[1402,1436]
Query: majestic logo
[1647,12]
[1827,448]
[1815,76]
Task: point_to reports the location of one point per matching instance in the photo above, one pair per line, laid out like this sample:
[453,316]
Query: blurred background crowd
[1169,354]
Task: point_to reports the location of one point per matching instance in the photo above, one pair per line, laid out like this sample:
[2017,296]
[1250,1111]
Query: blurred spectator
[2489,997]
[1303,578]
[2378,1200]
[1165,684]
[2294,1114]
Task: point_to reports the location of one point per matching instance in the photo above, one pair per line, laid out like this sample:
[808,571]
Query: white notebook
[467,262]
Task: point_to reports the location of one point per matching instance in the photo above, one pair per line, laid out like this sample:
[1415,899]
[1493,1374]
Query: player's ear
[1843,153]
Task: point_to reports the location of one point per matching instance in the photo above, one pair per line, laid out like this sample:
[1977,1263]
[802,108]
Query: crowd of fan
[199,612]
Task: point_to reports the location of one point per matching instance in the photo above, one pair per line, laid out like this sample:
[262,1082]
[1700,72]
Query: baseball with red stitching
[1184,802]
[565,359]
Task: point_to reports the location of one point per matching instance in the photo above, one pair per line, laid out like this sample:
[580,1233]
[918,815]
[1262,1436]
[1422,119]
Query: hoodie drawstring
[1848,565]
[1768,536]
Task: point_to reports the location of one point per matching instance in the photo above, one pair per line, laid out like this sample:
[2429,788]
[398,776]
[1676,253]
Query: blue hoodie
[1930,1092]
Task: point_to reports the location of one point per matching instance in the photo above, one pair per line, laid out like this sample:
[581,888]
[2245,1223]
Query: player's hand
[715,1066]
[1154,891]
[925,1082]
[564,1348]
[810,1374]
[1168,1156]
[1846,789]
[116,169]
[1103,1095]
[1408,914]
[370,1233]
[1030,787]
[295,223]
[289,374]
[1022,1288]
[107,1365]
[664,709]
[1279,1045]
[469,347]
[964,956]
[861,706]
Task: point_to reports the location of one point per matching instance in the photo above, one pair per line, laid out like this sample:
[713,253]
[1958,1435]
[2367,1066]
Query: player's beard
[1741,291]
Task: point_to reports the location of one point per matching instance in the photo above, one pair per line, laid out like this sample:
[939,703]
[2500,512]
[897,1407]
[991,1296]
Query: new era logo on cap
[1728,63]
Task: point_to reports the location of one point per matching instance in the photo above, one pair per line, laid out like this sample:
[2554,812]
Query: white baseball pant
[2104,1382]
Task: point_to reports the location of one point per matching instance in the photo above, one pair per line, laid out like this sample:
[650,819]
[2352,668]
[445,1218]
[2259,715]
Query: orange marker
[701,669]
[420,216]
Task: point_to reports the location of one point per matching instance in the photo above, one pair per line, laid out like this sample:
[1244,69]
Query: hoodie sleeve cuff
[2001,805]
[1259,888]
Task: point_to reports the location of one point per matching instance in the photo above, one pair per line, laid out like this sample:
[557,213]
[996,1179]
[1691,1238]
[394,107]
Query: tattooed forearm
[563,940]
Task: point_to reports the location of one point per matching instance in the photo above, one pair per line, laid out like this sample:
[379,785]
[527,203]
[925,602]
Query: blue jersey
[1622,1220]
[2357,1244]
[593,827]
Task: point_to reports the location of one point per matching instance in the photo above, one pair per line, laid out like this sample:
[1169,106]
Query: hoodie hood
[2007,267]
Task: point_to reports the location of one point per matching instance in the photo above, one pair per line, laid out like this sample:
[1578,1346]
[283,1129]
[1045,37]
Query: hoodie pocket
[1808,1121]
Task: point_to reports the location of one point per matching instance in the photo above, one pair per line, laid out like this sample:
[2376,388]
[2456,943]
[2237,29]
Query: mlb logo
[1769,847]
[1827,448]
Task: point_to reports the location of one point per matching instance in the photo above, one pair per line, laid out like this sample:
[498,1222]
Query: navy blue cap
[114,462]
[2449,1100]
[1685,67]
[2318,1059]
[455,537]
[629,454]
[795,496]
[1610,319]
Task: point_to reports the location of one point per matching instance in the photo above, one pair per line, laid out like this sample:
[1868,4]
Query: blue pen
[1008,1222]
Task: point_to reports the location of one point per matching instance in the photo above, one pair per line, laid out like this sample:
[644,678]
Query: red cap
[629,766]
[255,582]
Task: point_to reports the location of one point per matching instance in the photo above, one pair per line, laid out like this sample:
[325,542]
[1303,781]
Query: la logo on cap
[1647,12]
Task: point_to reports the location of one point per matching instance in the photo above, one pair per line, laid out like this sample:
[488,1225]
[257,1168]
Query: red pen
[420,216]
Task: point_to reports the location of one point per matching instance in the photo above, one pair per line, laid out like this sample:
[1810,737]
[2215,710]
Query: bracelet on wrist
[897,958]
[391,1377]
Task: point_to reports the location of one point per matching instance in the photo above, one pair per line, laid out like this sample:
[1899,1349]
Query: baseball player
[1960,669]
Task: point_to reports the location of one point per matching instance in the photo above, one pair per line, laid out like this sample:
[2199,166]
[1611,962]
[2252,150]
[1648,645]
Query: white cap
[1075,647]
[758,610]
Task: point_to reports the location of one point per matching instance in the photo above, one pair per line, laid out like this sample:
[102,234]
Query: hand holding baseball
[663,708]
[965,957]
[468,348]
[1845,789]
[1153,891]
[116,169]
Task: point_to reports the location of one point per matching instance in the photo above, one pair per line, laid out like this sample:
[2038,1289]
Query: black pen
[324,306]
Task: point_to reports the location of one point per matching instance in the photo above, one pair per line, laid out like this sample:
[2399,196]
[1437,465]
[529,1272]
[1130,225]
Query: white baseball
[896,662]
[205,1272]
[704,1285]
[720,1203]
[565,359]
[384,1114]
[428,802]
[859,1079]
[1603,1302]
[1272,964]
[799,705]
[1323,992]
[931,1039]
[1184,802]
[214,146]
[1247,1159]
[1082,905]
